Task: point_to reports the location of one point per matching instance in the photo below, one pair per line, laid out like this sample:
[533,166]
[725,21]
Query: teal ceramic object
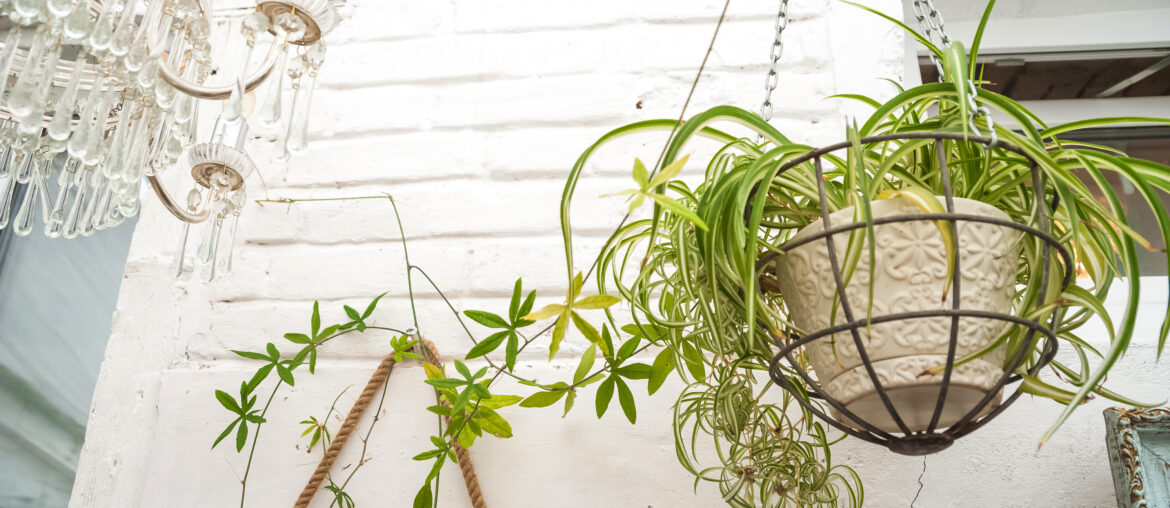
[1139,454]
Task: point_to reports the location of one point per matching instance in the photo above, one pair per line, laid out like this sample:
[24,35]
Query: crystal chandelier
[103,94]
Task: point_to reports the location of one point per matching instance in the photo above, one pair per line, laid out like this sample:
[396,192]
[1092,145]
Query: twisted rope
[380,376]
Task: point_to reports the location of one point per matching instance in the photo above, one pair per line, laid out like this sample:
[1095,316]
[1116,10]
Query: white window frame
[1122,31]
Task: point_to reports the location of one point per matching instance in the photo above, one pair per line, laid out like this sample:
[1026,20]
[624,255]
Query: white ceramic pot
[910,275]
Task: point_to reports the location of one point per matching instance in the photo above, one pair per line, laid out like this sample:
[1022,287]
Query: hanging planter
[905,286]
[907,335]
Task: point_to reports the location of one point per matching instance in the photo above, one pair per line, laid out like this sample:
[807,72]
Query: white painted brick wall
[470,113]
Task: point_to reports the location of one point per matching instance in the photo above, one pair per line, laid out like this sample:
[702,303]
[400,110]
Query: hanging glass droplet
[77,24]
[7,189]
[22,223]
[270,109]
[22,98]
[181,253]
[80,140]
[70,224]
[11,44]
[253,24]
[65,183]
[28,9]
[123,36]
[103,29]
[62,123]
[60,8]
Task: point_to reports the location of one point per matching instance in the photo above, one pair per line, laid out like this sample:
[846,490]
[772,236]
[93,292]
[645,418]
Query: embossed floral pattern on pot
[911,274]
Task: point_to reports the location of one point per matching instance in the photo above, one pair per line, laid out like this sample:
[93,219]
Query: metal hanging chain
[776,52]
[930,22]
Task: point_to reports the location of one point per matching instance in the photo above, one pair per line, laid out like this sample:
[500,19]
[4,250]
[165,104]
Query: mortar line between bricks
[591,27]
[373,241]
[472,78]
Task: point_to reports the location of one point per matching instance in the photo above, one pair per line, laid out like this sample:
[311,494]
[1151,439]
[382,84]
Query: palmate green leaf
[497,401]
[525,308]
[316,319]
[639,198]
[589,332]
[545,312]
[298,338]
[228,401]
[285,374]
[260,375]
[467,436]
[543,399]
[492,423]
[668,173]
[370,308]
[570,399]
[679,209]
[480,391]
[604,394]
[241,436]
[511,351]
[225,432]
[486,318]
[587,360]
[446,382]
[575,287]
[352,313]
[641,176]
[663,366]
[596,302]
[273,353]
[558,334]
[299,359]
[433,371]
[423,498]
[514,303]
[489,344]
[462,369]
[327,332]
[693,361]
[626,398]
[635,371]
[251,356]
[546,398]
[461,401]
[628,348]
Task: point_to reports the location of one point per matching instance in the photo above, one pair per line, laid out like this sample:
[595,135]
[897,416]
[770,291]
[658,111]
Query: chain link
[930,23]
[774,54]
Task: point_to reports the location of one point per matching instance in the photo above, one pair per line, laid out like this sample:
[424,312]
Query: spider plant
[691,272]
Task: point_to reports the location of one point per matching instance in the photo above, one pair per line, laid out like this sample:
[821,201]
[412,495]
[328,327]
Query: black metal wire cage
[907,440]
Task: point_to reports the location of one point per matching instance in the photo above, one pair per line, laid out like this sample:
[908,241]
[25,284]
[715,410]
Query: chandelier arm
[222,92]
[174,208]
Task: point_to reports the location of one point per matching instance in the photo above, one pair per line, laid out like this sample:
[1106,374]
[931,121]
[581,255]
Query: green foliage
[517,312]
[340,496]
[693,276]
[317,429]
[243,409]
[402,345]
